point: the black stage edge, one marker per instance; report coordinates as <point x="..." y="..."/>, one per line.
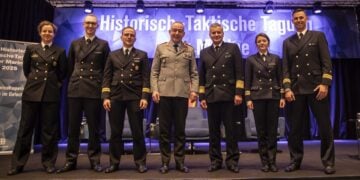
<point x="346" y="166"/>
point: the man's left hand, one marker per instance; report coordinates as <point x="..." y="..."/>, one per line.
<point x="322" y="91"/>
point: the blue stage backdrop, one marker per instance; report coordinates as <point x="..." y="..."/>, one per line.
<point x="240" y="26"/>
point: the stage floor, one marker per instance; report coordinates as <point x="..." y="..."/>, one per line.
<point x="347" y="164"/>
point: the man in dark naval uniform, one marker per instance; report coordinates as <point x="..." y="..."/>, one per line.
<point x="44" y="67"/>
<point x="126" y="87"/>
<point x="221" y="87"/>
<point x="87" y="57"/>
<point x="307" y="76"/>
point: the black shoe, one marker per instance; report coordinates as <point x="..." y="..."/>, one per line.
<point x="112" y="168"/>
<point x="182" y="168"/>
<point x="142" y="168"/>
<point x="164" y="169"/>
<point x="15" y="170"/>
<point x="233" y="168"/>
<point x="96" y="167"/>
<point x="50" y="169"/>
<point x="329" y="170"/>
<point x="273" y="168"/>
<point x="292" y="167"/>
<point x="69" y="166"/>
<point x="214" y="167"/>
<point x="265" y="168"/>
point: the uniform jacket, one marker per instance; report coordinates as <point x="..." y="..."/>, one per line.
<point x="44" y="71"/>
<point x="263" y="79"/>
<point x="126" y="78"/>
<point x="174" y="74"/>
<point x="306" y="62"/>
<point x="86" y="65"/>
<point x="221" y="73"/>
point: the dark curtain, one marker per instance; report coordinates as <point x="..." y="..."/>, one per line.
<point x="19" y="19"/>
<point x="344" y="101"/>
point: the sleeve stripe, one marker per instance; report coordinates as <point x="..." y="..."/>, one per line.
<point x="240" y="84"/>
<point x="105" y="90"/>
<point x="286" y="80"/>
<point x="202" y="89"/>
<point x="327" y="76"/>
<point x="146" y="90"/>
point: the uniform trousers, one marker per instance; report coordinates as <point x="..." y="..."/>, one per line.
<point x="296" y="111"/>
<point x="48" y="115"/>
<point x="92" y="111"/>
<point x="222" y="112"/>
<point x="172" y="117"/>
<point x="266" y="114"/>
<point x="116" y="120"/>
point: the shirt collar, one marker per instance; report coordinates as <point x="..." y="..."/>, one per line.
<point x="91" y="38"/>
<point x="43" y="44"/>
<point x="265" y="54"/>
<point x="219" y="45"/>
<point x="303" y="32"/>
<point x="124" y="49"/>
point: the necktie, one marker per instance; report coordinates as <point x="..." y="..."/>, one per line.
<point x="176" y="47"/>
<point x="263" y="57"/>
<point x="217" y="49"/>
<point x="301" y="35"/>
<point x="127" y="52"/>
<point x="46" y="47"/>
<point x="88" y="41"/>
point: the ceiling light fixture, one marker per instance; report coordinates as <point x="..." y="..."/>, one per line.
<point x="269" y="7"/>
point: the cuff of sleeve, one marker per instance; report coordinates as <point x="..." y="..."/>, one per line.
<point x="105" y="95"/>
<point x="239" y="92"/>
<point x="201" y="96"/>
<point x="145" y="96"/>
<point x="247" y="95"/>
<point x="326" y="79"/>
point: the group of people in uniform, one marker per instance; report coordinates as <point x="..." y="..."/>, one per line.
<point x="122" y="81"/>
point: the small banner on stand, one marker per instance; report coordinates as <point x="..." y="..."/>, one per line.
<point x="12" y="83"/>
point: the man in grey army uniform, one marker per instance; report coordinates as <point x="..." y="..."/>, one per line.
<point x="174" y="79"/>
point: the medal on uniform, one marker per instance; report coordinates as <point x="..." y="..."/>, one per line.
<point x="136" y="63"/>
<point x="54" y="61"/>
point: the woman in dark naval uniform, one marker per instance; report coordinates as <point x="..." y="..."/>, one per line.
<point x="264" y="95"/>
<point x="44" y="66"/>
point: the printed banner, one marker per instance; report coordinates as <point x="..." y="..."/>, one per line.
<point x="240" y="26"/>
<point x="12" y="82"/>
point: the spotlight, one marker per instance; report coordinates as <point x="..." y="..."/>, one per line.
<point x="269" y="7"/>
<point x="140" y="6"/>
<point x="317" y="7"/>
<point x="199" y="7"/>
<point x="88" y="7"/>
